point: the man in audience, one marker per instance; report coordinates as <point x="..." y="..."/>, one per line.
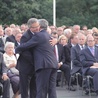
<point x="89" y="60"/>
<point x="76" y="29"/>
<point x="67" y="53"/>
<point x="60" y="31"/>
<point x="95" y="35"/>
<point x="75" y="53"/>
<point x="4" y="78"/>
<point x="18" y="36"/>
<point x="1" y="40"/>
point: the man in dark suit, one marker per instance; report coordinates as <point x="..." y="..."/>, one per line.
<point x="4" y="78"/>
<point x="75" y="53"/>
<point x="96" y="38"/>
<point x="59" y="52"/>
<point x="67" y="53"/>
<point x="45" y="61"/>
<point x="1" y="40"/>
<point x="67" y="48"/>
<point x="25" y="62"/>
<point x="89" y="60"/>
<point x="11" y="38"/>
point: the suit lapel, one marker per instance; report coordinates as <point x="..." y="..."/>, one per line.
<point x="89" y="52"/>
<point x="96" y="53"/>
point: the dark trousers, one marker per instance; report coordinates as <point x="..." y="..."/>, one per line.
<point x="14" y="80"/>
<point x="66" y="69"/>
<point x="46" y="83"/>
<point x="94" y="73"/>
<point x="27" y="81"/>
<point x="6" y="88"/>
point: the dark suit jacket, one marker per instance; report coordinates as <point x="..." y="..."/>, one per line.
<point x="75" y="58"/>
<point x="25" y="60"/>
<point x="11" y="38"/>
<point x="87" y="59"/>
<point x="1" y="46"/>
<point x="44" y="56"/>
<point x="3" y="68"/>
<point x="67" y="53"/>
<point x="61" y="53"/>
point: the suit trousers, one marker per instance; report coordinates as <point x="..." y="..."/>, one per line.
<point x="66" y="69"/>
<point x="6" y="88"/>
<point x="94" y="73"/>
<point x="14" y="80"/>
<point x="46" y="83"/>
<point x="27" y="81"/>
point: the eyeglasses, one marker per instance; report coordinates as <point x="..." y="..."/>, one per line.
<point x="90" y="40"/>
<point x="35" y="27"/>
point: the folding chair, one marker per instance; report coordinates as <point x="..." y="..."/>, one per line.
<point x="87" y="79"/>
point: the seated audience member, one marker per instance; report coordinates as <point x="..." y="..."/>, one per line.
<point x="75" y="53"/>
<point x="84" y="28"/>
<point x="59" y="52"/>
<point x="76" y="29"/>
<point x="95" y="35"/>
<point x="63" y="40"/>
<point x="18" y="36"/>
<point x="11" y="38"/>
<point x="67" y="33"/>
<point x="4" y="78"/>
<point x="89" y="60"/>
<point x="67" y="52"/>
<point x="8" y="32"/>
<point x="1" y="40"/>
<point x="10" y="61"/>
<point x="60" y="31"/>
<point x="53" y="28"/>
<point x="94" y="29"/>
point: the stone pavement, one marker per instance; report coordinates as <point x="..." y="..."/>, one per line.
<point x="62" y="92"/>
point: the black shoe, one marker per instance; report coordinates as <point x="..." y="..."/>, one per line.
<point x="86" y="92"/>
<point x="71" y="88"/>
<point x="57" y="85"/>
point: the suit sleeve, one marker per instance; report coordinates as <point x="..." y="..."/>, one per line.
<point x="4" y="68"/>
<point x="29" y="44"/>
<point x="67" y="55"/>
<point x="84" y="61"/>
<point x="75" y="57"/>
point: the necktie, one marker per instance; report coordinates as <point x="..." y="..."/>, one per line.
<point x="81" y="47"/>
<point x="56" y="52"/>
<point x="92" y="51"/>
<point x="1" y="43"/>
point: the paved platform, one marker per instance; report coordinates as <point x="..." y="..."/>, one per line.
<point x="62" y="92"/>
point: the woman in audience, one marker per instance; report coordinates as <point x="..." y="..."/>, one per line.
<point x="11" y="61"/>
<point x="63" y="40"/>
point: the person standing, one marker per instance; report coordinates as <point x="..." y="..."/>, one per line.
<point x="45" y="61"/>
<point x="25" y="63"/>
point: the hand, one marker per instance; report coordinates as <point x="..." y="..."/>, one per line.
<point x="12" y="65"/>
<point x="93" y="67"/>
<point x="96" y="65"/>
<point x="59" y="64"/>
<point x="53" y="41"/>
<point x="5" y="77"/>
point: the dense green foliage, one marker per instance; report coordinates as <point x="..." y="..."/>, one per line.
<point x="69" y="12"/>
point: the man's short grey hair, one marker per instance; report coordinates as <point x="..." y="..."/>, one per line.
<point x="66" y="31"/>
<point x="31" y="21"/>
<point x="43" y="23"/>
